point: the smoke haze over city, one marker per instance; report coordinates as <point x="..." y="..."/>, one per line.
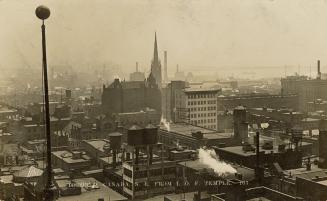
<point x="200" y="36"/>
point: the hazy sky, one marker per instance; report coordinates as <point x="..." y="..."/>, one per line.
<point x="213" y="33"/>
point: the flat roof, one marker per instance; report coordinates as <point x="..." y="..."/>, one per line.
<point x="187" y="129"/>
<point x="190" y="90"/>
<point x="101" y="191"/>
<point x="247" y="173"/>
<point x="6" y="179"/>
<point x="97" y="143"/>
<point x="92" y="171"/>
<point x="188" y="196"/>
<point x="239" y="149"/>
<point x="259" y="199"/>
<point x="67" y="157"/>
<point x="312" y="174"/>
<point x="216" y="135"/>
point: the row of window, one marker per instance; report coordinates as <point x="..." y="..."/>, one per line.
<point x="202" y="108"/>
<point x="211" y="114"/>
<point x="211" y="126"/>
<point x="203" y="121"/>
<point x="154" y="172"/>
<point x="202" y="115"/>
<point x="201" y="102"/>
<point x="198" y="109"/>
<point x="193" y="96"/>
<point x="212" y="101"/>
<point x="212" y="108"/>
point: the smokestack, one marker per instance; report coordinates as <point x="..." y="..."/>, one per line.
<point x="259" y="171"/>
<point x="165" y="67"/>
<point x="318" y="69"/>
<point x="240" y="124"/>
<point x="177" y="69"/>
<point x="137" y="66"/>
<point x="257" y="140"/>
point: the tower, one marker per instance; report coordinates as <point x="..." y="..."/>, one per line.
<point x="165" y="67"/>
<point x="240" y="124"/>
<point x="155" y="64"/>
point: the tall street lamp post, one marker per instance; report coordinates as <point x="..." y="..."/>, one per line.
<point x="43" y="13"/>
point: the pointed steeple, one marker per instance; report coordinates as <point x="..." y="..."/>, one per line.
<point x="155" y="64"/>
<point x="155" y="52"/>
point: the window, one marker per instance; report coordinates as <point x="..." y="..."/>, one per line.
<point x="127" y="172"/>
<point x="155" y="172"/>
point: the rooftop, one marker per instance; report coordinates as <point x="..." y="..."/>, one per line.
<point x="259" y="199"/>
<point x="68" y="157"/>
<point x="190" y="90"/>
<point x="313" y="174"/>
<point x="29" y="172"/>
<point x="239" y="150"/>
<point x="188" y="129"/>
<point x="247" y="173"/>
<point x="91" y="190"/>
<point x="97" y="143"/>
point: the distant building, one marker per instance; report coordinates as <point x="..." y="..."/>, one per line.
<point x="122" y="97"/>
<point x="156" y="65"/>
<point x="133" y="96"/>
<point x="137" y="75"/>
<point x="257" y="100"/>
<point x="179" y="75"/>
<point x="308" y="90"/>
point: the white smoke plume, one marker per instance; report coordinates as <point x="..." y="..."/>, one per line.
<point x="209" y="158"/>
<point x="165" y="123"/>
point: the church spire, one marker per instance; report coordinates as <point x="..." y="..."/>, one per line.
<point x="155" y="53"/>
<point x="155" y="64"/>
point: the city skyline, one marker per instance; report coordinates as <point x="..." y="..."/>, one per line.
<point x="208" y="35"/>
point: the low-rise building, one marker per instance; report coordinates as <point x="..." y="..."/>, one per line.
<point x="193" y="137"/>
<point x="68" y="161"/>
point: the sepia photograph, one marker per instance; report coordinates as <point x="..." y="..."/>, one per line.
<point x="163" y="100"/>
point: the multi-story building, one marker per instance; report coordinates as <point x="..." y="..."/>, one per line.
<point x="201" y="105"/>
<point x="143" y="180"/>
<point x="172" y="98"/>
<point x="133" y="96"/>
<point x="196" y="106"/>
<point x="307" y="89"/>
